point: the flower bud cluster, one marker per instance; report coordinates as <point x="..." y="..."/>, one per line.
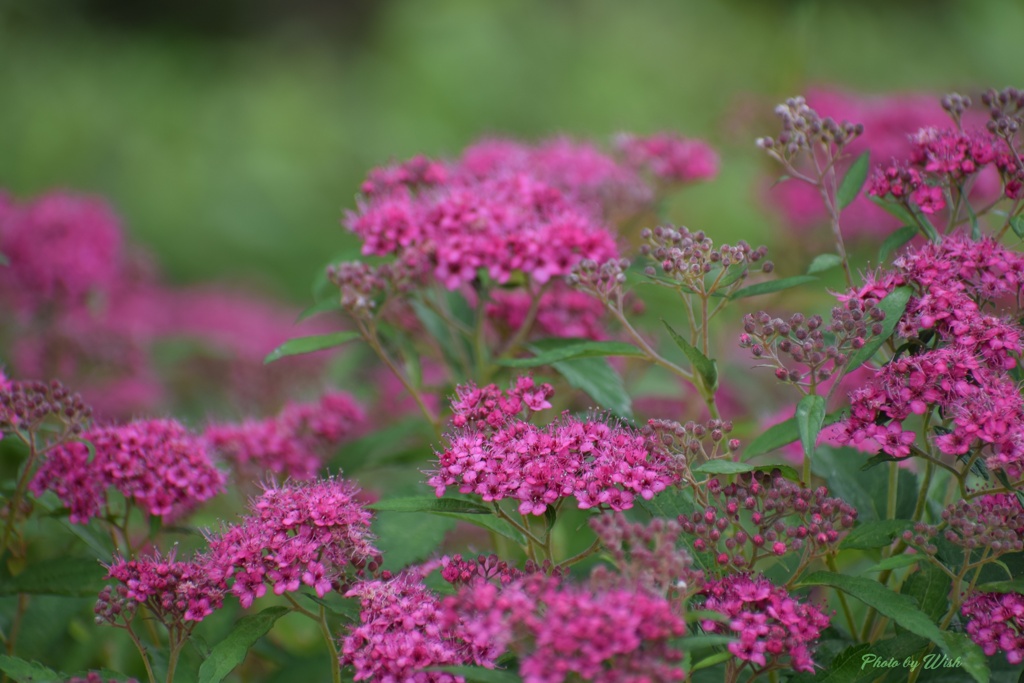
<point x="294" y="443"/>
<point x="24" y="406"/>
<point x="692" y="260"/>
<point x="459" y="572"/>
<point x="647" y="556"/>
<point x="801" y="340"/>
<point x="803" y="131"/>
<point x="604" y="281"/>
<point x="1006" y="111"/>
<point x="995" y="621"/>
<point x="157" y="465"/>
<point x="173" y="591"/>
<point x="773" y="628"/>
<point x="763" y="515"/>
<point x="693" y="441"/>
<point x="298" y="534"/>
<point x="364" y="288"/>
<point x="994" y="523"/>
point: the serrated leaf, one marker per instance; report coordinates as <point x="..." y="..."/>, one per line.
<point x="772" y="286"/>
<point x="28" y="672"/>
<point x="404" y="539"/>
<point x="903" y="610"/>
<point x="706" y="367"/>
<point x="930" y="586"/>
<point x="325" y="306"/>
<point x="810" y="416"/>
<point x="895" y="562"/>
<point x="229" y="653"/>
<point x="722" y="466"/>
<point x="823" y="262"/>
<point x="782" y="434"/>
<point x="853" y="181"/>
<point x="69" y="577"/>
<point x="893" y="305"/>
<point x="895" y="241"/>
<point x="478" y="674"/>
<point x="431" y="504"/>
<point x="302" y="345"/>
<point x="875" y="534"/>
<point x="1017" y="225"/>
<point x="600" y="381"/>
<point x="568" y="349"/>
<point x="1014" y="586"/>
<point x="865" y="491"/>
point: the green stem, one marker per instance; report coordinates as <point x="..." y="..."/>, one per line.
<point x="142" y="651"/>
<point x="325" y="630"/>
<point x="579" y="557"/>
<point x="894" y="482"/>
<point x="14" y="505"/>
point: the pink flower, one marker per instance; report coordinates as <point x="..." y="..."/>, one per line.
<point x="298" y="534"/>
<point x="770" y="624"/>
<point x="174" y="591"/>
<point x="670" y="157"/>
<point x="996" y="623"/>
<point x="156" y="464"/>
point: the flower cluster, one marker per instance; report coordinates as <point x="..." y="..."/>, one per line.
<point x="156" y="464"/>
<point x="669" y="157"/>
<point x="994" y="523"/>
<point x="26" y="405"/>
<point x="491" y="408"/>
<point x="763" y="515"/>
<point x="61" y="248"/>
<point x="298" y="534"/>
<point x="497" y="456"/>
<point x="802" y="340"/>
<point x="770" y="624"/>
<point x="694" y="441"/>
<point x="173" y="591"/>
<point x="459" y="572"/>
<point x="293" y="443"/>
<point x="613" y="635"/>
<point x="402" y="631"/>
<point x="691" y="259"/>
<point x="996" y="623"/>
<point x="647" y="556"/>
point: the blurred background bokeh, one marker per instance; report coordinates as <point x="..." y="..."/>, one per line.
<point x="231" y="135"/>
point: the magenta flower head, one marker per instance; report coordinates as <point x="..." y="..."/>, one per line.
<point x="996" y="623"/>
<point x="293" y="443"/>
<point x="173" y="591"/>
<point x="670" y="158"/>
<point x="496" y="455"/>
<point x="773" y="628"/>
<point x="61" y="247"/>
<point x="157" y="465"/>
<point x="311" y="534"/>
<point x="607" y="634"/>
<point x="401" y="632"/>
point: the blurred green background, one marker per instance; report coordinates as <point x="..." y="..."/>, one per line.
<point x="232" y="134"/>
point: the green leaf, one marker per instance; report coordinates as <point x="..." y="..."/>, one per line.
<point x="781" y="435"/>
<point x="598" y="379"/>
<point x="325" y="306"/>
<point x="865" y="491"/>
<point x="716" y="658"/>
<point x="895" y="241"/>
<point x="70" y="577"/>
<point x="851" y="666"/>
<point x="1014" y="586"/>
<point x="1017" y="225"/>
<point x="489" y="522"/>
<point x="893" y="305"/>
<point x="895" y="562"/>
<point x="707" y="368"/>
<point x="823" y="262"/>
<point x="229" y="653"/>
<point x="810" y="416"/>
<point x="568" y="349"/>
<point x="894" y="209"/>
<point x="478" y="674"/>
<point x="722" y="466"/>
<point x="930" y="586"/>
<point x="903" y="610"/>
<point x="301" y="345"/>
<point x="975" y="228"/>
<point x="704" y="640"/>
<point x="772" y="286"/>
<point x="431" y="504"/>
<point x="28" y="672"/>
<point x="404" y="538"/>
<point x="853" y="181"/>
<point x="875" y="534"/>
